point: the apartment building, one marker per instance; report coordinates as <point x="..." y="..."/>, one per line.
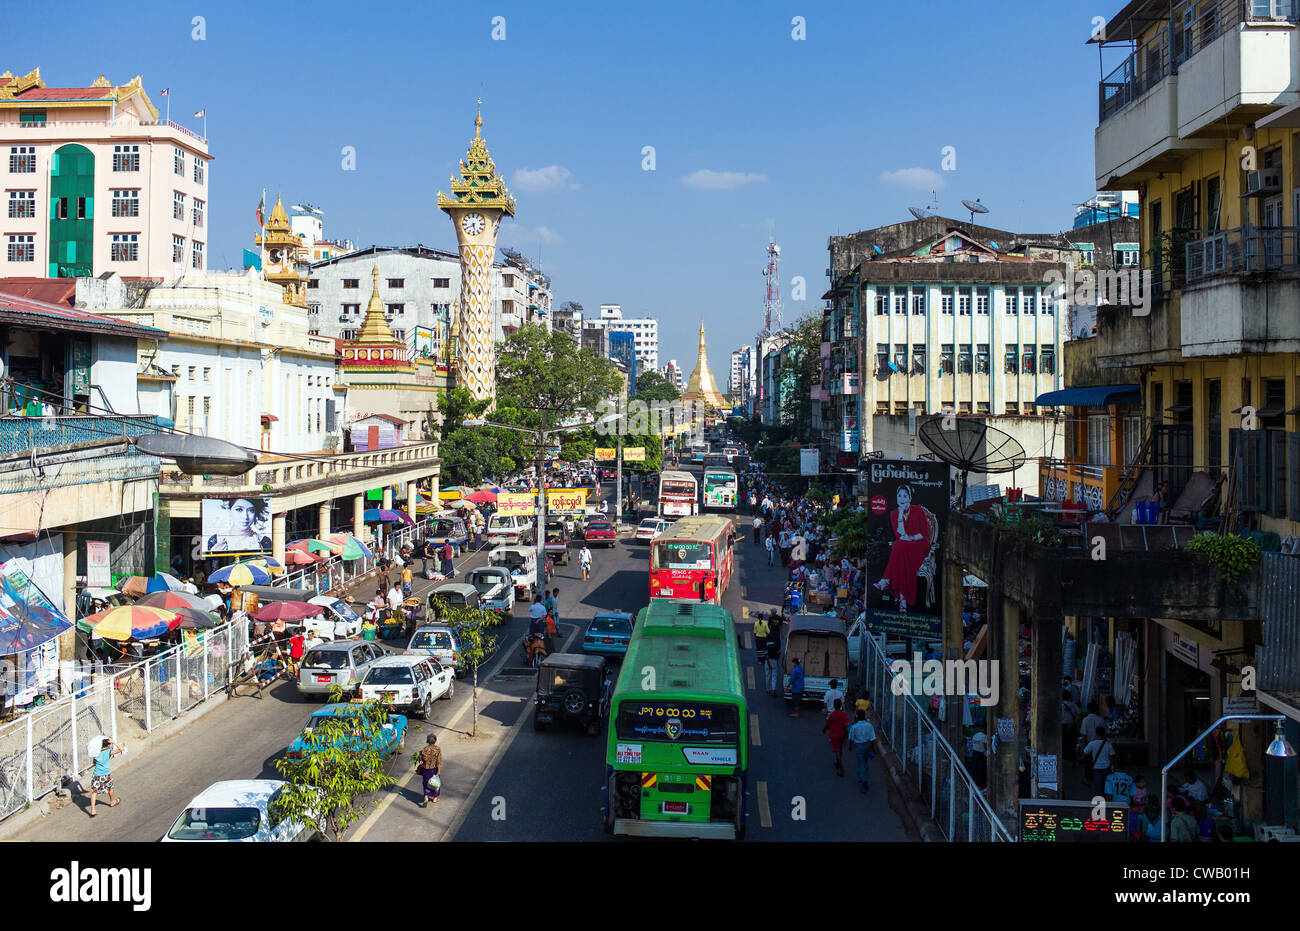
<point x="94" y="182"/>
<point x="645" y="332"/>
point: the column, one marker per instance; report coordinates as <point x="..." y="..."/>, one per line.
<point x="358" y="515"/>
<point x="388" y="498"/>
<point x="324" y="519"/>
<point x="1003" y="648"/>
<point x="68" y="639"/>
<point x="1047" y="670"/>
<point x="277" y="535"/>
<point x="412" y="498"/>
<point x="953" y="574"/>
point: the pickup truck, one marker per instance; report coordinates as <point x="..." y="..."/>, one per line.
<point x="496" y="588"/>
<point x="521" y="563"/>
<point x="557" y="541"/>
<point x="390" y="739"/>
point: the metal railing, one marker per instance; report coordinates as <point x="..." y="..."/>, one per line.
<point x="33" y="434"/>
<point x="1242" y="250"/>
<point x="956" y="804"/>
<point x="42" y="747"/>
<point x="333" y="575"/>
<point x="321" y="465"/>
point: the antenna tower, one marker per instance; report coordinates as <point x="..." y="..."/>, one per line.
<point x="772" y="302"/>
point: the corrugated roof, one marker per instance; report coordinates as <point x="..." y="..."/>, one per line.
<point x="23" y="311"/>
<point x="66" y="93"/>
<point x="49" y="290"/>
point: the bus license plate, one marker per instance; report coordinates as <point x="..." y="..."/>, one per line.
<point x="675" y="808"/>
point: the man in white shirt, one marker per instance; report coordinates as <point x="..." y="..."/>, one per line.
<point x="395" y="599"/>
<point x="862" y="737"/>
<point x="757" y="524"/>
<point x="1193" y="787"/>
<point x="1100" y="752"/>
<point x="831" y="694"/>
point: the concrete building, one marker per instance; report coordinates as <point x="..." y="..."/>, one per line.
<point x="741" y="376"/>
<point x="676" y="377"/>
<point x="773" y="388"/>
<point x="308" y="224"/>
<point x="645" y="331"/>
<point x="95" y="182"/>
<point x="568" y="318"/>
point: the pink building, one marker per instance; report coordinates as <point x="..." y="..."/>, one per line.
<point x="93" y="181"/>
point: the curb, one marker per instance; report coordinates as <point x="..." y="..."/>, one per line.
<point x="913" y="811"/>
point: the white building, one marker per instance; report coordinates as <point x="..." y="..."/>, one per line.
<point x="645" y="332"/>
<point x="673" y="372"/>
<point x="741" y="378"/>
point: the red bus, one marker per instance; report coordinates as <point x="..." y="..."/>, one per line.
<point x="679" y="494"/>
<point x="693" y="551"/>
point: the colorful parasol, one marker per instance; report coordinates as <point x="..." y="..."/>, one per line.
<point x="127" y="622"/>
<point x="287" y="611"/>
<point x="173" y="601"/>
<point x="352" y="547"/>
<point x="241" y="574"/>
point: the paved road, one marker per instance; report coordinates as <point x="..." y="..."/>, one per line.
<point x="551" y="782"/>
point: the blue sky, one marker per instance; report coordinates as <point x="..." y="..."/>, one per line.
<point x="753" y="130"/>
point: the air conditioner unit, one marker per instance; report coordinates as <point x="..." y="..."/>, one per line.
<point x="1264" y="181"/>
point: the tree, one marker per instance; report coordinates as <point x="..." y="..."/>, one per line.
<point x="652" y="386"/>
<point x="547" y="372"/>
<point x="342" y="763"/>
<point x="470" y="453"/>
<point x="473" y="627"/>
<point x="800" y="371"/>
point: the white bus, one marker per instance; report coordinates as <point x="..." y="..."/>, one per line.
<point x="679" y="494"/>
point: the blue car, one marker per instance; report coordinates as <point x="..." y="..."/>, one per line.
<point x="608" y="634"/>
<point x="391" y="740"/>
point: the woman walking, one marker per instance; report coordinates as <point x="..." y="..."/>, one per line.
<point x="429" y="766"/>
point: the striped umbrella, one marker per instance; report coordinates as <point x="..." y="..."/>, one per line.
<point x="301" y="558"/>
<point x="267" y="564"/>
<point x="173" y="601"/>
<point x="191" y="619"/>
<point x="127" y="622"/>
<point x="241" y="574"/>
<point x="317" y="546"/>
<point x="352" y="547"/>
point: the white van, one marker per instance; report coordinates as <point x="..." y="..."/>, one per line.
<point x="509" y="530"/>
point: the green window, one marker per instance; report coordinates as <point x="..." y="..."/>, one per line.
<point x="72" y="212"/>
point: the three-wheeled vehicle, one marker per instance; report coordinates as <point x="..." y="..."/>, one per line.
<point x="557" y="540"/>
<point x="821" y="643"/>
<point x="573" y="687"/>
<point x="453" y="595"/>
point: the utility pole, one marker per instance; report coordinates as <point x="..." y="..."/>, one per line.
<point x="618" y="480"/>
<point x="540" y="541"/>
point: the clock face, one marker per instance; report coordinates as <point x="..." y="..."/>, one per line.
<point x="472" y="224"/>
<point x="275" y="256"/>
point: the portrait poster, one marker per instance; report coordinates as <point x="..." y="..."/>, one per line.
<point x="907" y="505"/>
<point x="235" y="526"/>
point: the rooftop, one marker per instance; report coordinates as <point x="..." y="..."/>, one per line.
<point x="17" y="310"/>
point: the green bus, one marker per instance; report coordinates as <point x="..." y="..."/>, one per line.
<point x="719" y="488"/>
<point x="678" y="754"/>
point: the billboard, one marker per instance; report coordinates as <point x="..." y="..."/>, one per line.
<point x="605" y="453"/>
<point x="1057" y="821"/>
<point x="235" y="525"/>
<point x="907" y="506"/>
<point x="98" y="571"/>
<point x="566" y="501"/>
<point x="516" y="504"/>
<point x="27" y="617"/>
<point x="808" y="461"/>
<point x="634" y="454"/>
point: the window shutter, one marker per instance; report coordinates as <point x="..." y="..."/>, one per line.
<point x="1251" y="454"/>
<point x="1293" y="475"/>
<point x="329" y="414"/>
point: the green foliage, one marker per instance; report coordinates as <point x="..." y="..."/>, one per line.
<point x="817" y="494"/>
<point x="1030" y="527"/>
<point x="848" y="526"/>
<point x="652" y="386"/>
<point x="547" y="371"/>
<point x="800" y="371"/>
<point x="478" y="641"/>
<point x="340" y="767"/>
<point x="469" y="454"/>
<point x="1233" y="556"/>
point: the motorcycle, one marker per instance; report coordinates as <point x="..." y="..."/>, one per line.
<point x="534" y="650"/>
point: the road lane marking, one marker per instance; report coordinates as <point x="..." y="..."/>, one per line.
<point x="749" y="677"/>
<point x="749" y="640"/>
<point x="755" y="739"/>
<point x="742" y="592"/>
<point x="764" y="812"/>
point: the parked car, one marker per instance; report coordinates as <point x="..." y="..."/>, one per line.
<point x="390" y="739"/>
<point x="236" y="810"/>
<point x="343" y="663"/>
<point x="650" y="528"/>
<point x="496" y="588"/>
<point x="572" y="687"/>
<point x="440" y="642"/>
<point x="336" y="616"/>
<point x="453" y="595"/>
<point x="601" y="531"/>
<point x="557" y="540"/>
<point x="510" y="530"/>
<point x="411" y="682"/>
<point x="608" y="633"/>
<point x="449" y="528"/>
<point x="522" y="566"/>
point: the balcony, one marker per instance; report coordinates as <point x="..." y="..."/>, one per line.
<point x="40" y="453"/>
<point x="1094" y="485"/>
<point x="324" y="470"/>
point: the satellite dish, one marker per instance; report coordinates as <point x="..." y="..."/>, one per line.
<point x="921" y="213"/>
<point x="974" y="206"/>
<point x="971" y="446"/>
<point x="198" y="455"/>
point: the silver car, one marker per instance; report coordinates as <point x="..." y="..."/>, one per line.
<point x="343" y="663"/>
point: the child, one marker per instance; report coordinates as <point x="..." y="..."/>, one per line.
<point x="1140" y="795"/>
<point x="407" y="580"/>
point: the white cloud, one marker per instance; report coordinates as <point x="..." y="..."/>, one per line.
<point x="540" y="235"/>
<point x="922" y="179"/>
<point x="550" y="178"/>
<point x="704" y="179"/>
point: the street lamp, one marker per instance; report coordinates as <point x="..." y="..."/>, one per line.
<point x="1278" y="747"/>
<point x="541" y="434"/>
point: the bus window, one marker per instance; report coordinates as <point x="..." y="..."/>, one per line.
<point x="698" y="722"/>
<point x="677" y="555"/>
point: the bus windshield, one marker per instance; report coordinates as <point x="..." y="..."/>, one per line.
<point x="720" y="478"/>
<point x="676" y="554"/>
<point x="679" y="488"/>
<point x="677" y="721"/>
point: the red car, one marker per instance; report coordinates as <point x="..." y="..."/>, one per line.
<point x="601" y="531"/>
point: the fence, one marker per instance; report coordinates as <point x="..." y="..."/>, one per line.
<point x="39" y="749"/>
<point x="334" y="574"/>
<point x="956" y="804"/>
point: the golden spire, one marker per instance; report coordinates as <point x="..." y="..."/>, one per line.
<point x="478" y="120"/>
<point x="702" y="385"/>
<point x="478" y="185"/>
<point x="375" y="328"/>
<point x="279" y="219"/>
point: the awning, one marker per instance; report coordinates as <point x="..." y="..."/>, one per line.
<point x="1091" y="396"/>
<point x="28" y="618"/>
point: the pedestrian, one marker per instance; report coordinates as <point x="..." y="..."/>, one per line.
<point x="862" y="738"/>
<point x="408" y="580"/>
<point x="837" y="726"/>
<point x="752" y="501"/>
<point x="832" y="696"/>
<point x="448" y="554"/>
<point x="296" y="646"/>
<point x="761" y="629"/>
<point x="555" y="604"/>
<point x="550" y="632"/>
<point x="771" y="550"/>
<point x="395" y="599"/>
<point x="101" y="780"/>
<point x="429" y="766"/>
<point x="773" y="660"/>
<point x="1183" y="827"/>
<point x="427" y="553"/>
<point x="796" y="686"/>
<point x="584" y="562"/>
<point x="757" y="524"/>
<point x="1099" y="753"/>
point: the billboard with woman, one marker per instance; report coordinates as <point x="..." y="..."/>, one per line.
<point x="908" y="506"/>
<point x="236" y="525"/>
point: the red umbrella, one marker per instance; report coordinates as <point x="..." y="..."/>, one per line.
<point x="482" y="496"/>
<point x="288" y="611"/>
<point x="298" y="557"/>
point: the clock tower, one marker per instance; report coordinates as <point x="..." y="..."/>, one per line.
<point x="281" y="256"/>
<point x="478" y="201"/>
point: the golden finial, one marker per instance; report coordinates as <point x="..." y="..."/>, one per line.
<point x="478" y="120"/>
<point x="374" y="276"/>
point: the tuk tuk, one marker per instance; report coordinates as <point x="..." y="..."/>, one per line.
<point x="821" y="643"/>
<point x="453" y="595"/>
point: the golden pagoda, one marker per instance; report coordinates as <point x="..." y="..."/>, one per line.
<point x="702" y="387"/>
<point x="375" y="328"/>
<point x="281" y="256"/>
